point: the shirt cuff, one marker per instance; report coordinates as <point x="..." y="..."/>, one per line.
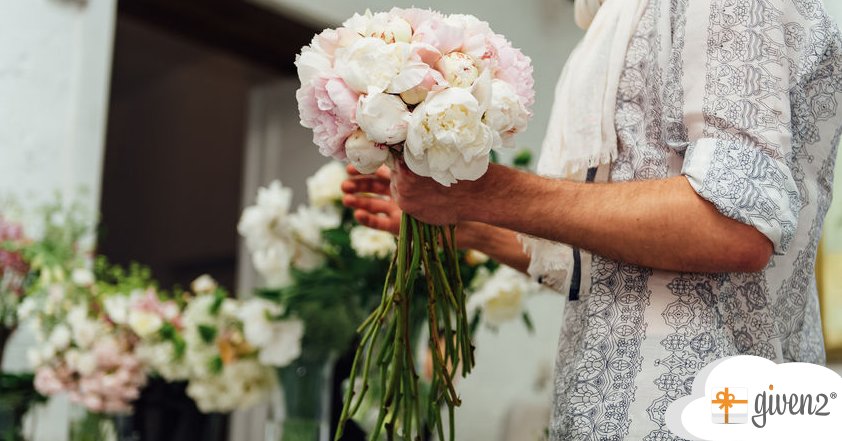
<point x="747" y="185"/>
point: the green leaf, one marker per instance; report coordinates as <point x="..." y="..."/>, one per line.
<point x="528" y="322"/>
<point x="216" y="365"/>
<point x="207" y="333"/>
<point x="523" y="159"/>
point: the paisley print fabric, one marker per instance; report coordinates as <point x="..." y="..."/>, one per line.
<point x="743" y="100"/>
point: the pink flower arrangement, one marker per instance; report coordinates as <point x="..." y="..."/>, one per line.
<point x="13" y="267"/>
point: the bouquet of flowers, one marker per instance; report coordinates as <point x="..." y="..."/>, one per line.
<point x="438" y="93"/>
<point x="317" y="264"/>
<point x="13" y="271"/>
<point x="224" y="348"/>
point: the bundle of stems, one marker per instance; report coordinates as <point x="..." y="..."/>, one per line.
<point x="385" y="352"/>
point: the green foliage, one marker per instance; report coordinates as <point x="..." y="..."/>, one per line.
<point x="207" y="333"/>
<point x="523" y="159"/>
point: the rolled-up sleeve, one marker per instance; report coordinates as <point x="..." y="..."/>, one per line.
<point x="746" y="185"/>
<point x="737" y="111"/>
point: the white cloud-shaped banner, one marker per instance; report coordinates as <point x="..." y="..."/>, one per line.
<point x="747" y="398"/>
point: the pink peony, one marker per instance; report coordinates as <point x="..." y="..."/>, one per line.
<point x="48" y="381"/>
<point x="327" y="105"/>
<point x="433" y="29"/>
<point x="511" y="66"/>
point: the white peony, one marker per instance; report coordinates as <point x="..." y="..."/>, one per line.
<point x="264" y="223"/>
<point x="368" y="242"/>
<point x="311" y="63"/>
<point x="370" y="65"/>
<point x="273" y="265"/>
<point x="447" y="139"/>
<point x="306" y="226"/>
<point x="144" y="323"/>
<point x="387" y="27"/>
<point x="308" y="223"/>
<point x="458" y="69"/>
<point x="204" y="284"/>
<point x="364" y="154"/>
<point x="257" y="316"/>
<point x="325" y="186"/>
<point x="507" y="115"/>
<point x="502" y="297"/>
<point x="285" y="347"/>
<point x="383" y="118"/>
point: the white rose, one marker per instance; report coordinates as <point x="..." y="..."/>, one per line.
<point x="144" y="323"/>
<point x="458" y="69"/>
<point x="325" y="186"/>
<point x="273" y="265"/>
<point x="204" y="284"/>
<point x="368" y="242"/>
<point x="506" y="114"/>
<point x="364" y="154"/>
<point x="285" y="347"/>
<point x="370" y="65"/>
<point x="82" y="277"/>
<point x="447" y="139"/>
<point x="383" y="118"/>
<point x="60" y="337"/>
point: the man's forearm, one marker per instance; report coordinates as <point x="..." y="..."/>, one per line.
<point x="661" y="224"/>
<point x="500" y="244"/>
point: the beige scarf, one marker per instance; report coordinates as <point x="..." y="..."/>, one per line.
<point x="581" y="133"/>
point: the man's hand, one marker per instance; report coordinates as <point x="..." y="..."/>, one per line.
<point x="370" y="196"/>
<point x="427" y="200"/>
<point x="371" y="199"/>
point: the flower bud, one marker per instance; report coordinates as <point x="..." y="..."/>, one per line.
<point x="364" y="154"/>
<point x="458" y="69"/>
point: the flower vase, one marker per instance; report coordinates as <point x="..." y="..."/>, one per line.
<point x="306" y="390"/>
<point x="91" y="426"/>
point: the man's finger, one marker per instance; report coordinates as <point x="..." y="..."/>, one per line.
<point x="366" y="185"/>
<point x="383" y="172"/>
<point x="372" y="205"/>
<point x="373" y="221"/>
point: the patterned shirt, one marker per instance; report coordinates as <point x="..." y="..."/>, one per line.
<point x="741" y="97"/>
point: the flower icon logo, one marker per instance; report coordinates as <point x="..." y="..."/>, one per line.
<point x="730" y="406"/>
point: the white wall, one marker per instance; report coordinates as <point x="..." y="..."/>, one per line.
<point x="55" y="59"/>
<point x="509" y="362"/>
